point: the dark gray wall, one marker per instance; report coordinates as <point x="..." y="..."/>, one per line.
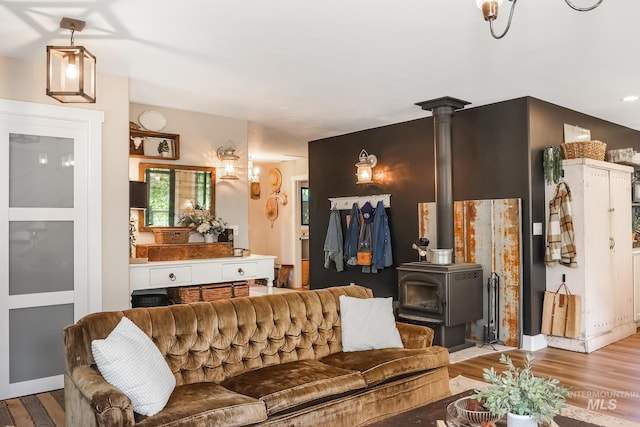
<point x="497" y="153"/>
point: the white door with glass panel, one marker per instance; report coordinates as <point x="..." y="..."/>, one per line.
<point x="50" y="252"/>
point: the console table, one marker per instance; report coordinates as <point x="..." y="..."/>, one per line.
<point x="167" y="274"/>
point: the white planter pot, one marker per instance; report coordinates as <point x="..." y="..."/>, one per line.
<point x="209" y="238"/>
<point x="514" y="420"/>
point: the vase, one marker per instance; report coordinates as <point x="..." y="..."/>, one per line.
<point x="514" y="420"/>
<point x="209" y="238"/>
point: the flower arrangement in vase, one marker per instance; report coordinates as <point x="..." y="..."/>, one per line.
<point x="203" y="222"/>
<point x="518" y="392"/>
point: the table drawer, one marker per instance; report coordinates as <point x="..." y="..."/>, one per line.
<point x="239" y="270"/>
<point x="170" y="275"/>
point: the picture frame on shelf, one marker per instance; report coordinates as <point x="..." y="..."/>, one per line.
<point x="154" y="145"/>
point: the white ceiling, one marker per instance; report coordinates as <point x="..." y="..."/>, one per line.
<point x="302" y="70"/>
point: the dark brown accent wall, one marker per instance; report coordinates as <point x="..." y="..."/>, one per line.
<point x="497" y="153"/>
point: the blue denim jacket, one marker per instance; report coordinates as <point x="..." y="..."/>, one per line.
<point x="351" y="241"/>
<point x="333" y="242"/>
<point x="382" y="256"/>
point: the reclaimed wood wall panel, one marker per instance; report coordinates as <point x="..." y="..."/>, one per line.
<point x="488" y="232"/>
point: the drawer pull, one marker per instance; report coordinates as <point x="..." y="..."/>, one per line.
<point x="241" y="271"/>
<point x="172" y="277"/>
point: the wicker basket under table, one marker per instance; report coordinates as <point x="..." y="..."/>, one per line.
<point x="213" y="292"/>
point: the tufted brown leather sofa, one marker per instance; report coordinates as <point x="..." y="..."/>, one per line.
<point x="272" y="360"/>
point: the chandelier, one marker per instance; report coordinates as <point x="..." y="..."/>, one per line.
<point x="490" y="12"/>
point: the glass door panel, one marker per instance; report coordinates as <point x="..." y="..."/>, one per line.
<point x="41" y="171"/>
<point x="35" y="341"/>
<point x="41" y="257"/>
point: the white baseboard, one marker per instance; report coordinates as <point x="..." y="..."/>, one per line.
<point x="534" y="342"/>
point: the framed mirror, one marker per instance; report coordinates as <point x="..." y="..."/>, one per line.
<point x="172" y="189"/>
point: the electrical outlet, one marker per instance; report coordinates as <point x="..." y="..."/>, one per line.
<point x="236" y="230"/>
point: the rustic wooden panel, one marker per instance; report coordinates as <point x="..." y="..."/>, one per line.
<point x="507" y="261"/>
<point x="176" y="252"/>
<point x="487" y="232"/>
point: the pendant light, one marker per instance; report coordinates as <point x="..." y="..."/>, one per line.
<point x="71" y="70"/>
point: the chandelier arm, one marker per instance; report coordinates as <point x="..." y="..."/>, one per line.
<point x="513" y="7"/>
<point x="583" y="9"/>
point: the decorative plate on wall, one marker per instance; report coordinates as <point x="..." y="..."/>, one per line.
<point x="152" y="120"/>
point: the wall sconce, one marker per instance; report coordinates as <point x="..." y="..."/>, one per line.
<point x="490" y="12"/>
<point x="227" y="155"/>
<point x="365" y="167"/>
<point x="71" y="70"/>
<point x="254" y="180"/>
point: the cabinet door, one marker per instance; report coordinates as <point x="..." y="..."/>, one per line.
<point x="636" y="284"/>
<point x="598" y="298"/>
<point x="49" y="250"/>
<point x="621" y="246"/>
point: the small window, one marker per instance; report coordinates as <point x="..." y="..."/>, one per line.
<point x="304" y="205"/>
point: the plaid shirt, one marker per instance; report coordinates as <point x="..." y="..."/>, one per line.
<point x="560" y="235"/>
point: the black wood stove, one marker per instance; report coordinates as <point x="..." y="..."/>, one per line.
<point x="443" y="297"/>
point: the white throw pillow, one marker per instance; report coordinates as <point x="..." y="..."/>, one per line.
<point x="130" y="361"/>
<point x="368" y="323"/>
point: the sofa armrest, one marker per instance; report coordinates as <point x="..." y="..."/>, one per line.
<point x="415" y="336"/>
<point x="91" y="401"/>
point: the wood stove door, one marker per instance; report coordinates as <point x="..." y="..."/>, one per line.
<point x="423" y="292"/>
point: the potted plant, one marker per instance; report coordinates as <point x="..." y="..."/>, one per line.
<point x="163" y="148"/>
<point x="519" y="394"/>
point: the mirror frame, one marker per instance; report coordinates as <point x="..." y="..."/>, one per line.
<point x="141" y="176"/>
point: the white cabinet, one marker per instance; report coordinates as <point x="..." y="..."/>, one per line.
<point x="601" y="212"/>
<point x="165" y="274"/>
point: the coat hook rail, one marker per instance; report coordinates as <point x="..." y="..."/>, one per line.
<point x="345" y="203"/>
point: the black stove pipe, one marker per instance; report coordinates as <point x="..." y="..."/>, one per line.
<point x="442" y="110"/>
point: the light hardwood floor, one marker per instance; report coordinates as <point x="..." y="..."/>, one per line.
<point x="606" y="380"/>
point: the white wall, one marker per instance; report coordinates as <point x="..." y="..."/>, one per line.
<point x="25" y="81"/>
<point x="200" y="136"/>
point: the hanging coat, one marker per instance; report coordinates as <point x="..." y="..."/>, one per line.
<point x="365" y="240"/>
<point x="333" y="242"/>
<point x="382" y="256"/>
<point x="560" y="235"/>
<point x="351" y="241"/>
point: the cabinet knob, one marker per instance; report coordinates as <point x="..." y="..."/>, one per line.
<point x="172" y="277"/>
<point x="241" y="271"/>
<point x="612" y="243"/>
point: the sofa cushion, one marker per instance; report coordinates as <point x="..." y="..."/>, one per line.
<point x="130" y="361"/>
<point x="206" y="404"/>
<point x="368" y="323"/>
<point x="381" y="365"/>
<point x="288" y="385"/>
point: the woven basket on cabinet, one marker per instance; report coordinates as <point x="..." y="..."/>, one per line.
<point x="584" y="149"/>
